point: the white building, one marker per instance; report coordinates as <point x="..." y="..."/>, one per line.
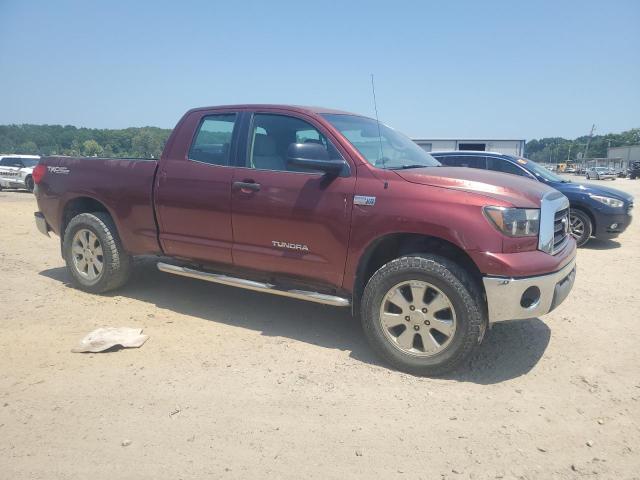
<point x="510" y="147"/>
<point x="625" y="155"/>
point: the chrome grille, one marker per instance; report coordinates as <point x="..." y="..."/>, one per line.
<point x="560" y="228"/>
<point x="554" y="223"/>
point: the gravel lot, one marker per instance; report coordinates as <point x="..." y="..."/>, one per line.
<point x="235" y="384"/>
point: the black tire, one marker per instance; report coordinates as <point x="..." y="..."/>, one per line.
<point x="116" y="261"/>
<point x="583" y="236"/>
<point x="28" y="183"/>
<point x="461" y="291"/>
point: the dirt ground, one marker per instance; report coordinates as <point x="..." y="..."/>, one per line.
<point x="235" y="384"/>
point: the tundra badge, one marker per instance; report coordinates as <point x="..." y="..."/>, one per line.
<point x="290" y="246"/>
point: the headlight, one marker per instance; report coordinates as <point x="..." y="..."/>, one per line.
<point x="608" y="201"/>
<point x="514" y="222"/>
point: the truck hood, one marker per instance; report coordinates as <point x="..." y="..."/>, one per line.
<point x="569" y="188"/>
<point x="515" y="190"/>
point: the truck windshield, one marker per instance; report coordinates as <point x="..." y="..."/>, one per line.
<point x="380" y="145"/>
<point x="540" y="172"/>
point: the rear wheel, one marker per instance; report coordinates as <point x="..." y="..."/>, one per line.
<point x="422" y="314"/>
<point x="581" y="226"/>
<point x="94" y="254"/>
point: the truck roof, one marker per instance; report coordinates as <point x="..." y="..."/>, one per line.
<point x="295" y="108"/>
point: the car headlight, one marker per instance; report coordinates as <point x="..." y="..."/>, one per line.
<point x="514" y="222"/>
<point x="608" y="201"/>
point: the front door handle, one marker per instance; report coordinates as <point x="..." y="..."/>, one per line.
<point x="247" y="186"/>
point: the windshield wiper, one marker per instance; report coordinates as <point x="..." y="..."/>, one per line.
<point x="406" y="167"/>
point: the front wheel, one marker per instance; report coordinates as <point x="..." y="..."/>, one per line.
<point x="422" y="314"/>
<point x="581" y="226"/>
<point x="94" y="254"/>
<point x="28" y="183"/>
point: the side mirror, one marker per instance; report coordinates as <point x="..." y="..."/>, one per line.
<point x="314" y="156"/>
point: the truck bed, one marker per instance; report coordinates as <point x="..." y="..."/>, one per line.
<point x="125" y="185"/>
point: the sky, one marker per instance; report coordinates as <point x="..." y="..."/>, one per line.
<point x="443" y="69"/>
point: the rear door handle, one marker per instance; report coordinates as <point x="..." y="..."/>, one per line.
<point x="247" y="186"/>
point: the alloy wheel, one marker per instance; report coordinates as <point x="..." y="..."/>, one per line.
<point x="577" y="227"/>
<point x="417" y="318"/>
<point x="88" y="258"/>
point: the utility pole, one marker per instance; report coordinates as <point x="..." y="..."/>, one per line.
<point x="569" y="154"/>
<point x="586" y="150"/>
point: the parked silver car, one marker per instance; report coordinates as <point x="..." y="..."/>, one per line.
<point x="600" y="173"/>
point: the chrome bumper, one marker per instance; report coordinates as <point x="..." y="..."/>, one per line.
<point x="505" y="295"/>
<point x="41" y="223"/>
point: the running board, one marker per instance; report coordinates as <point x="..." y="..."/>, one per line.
<point x="255" y="286"/>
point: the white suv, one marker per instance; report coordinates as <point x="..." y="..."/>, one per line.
<point x="16" y="171"/>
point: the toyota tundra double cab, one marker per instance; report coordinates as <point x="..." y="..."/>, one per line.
<point x="324" y="206"/>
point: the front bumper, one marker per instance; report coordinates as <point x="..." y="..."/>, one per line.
<point x="13" y="183"/>
<point x="41" y="223"/>
<point x="527" y="297"/>
<point x="604" y="221"/>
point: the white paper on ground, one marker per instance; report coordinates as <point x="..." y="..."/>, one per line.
<point x="106" y="337"/>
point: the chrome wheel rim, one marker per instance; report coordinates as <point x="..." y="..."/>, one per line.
<point x="417" y="318"/>
<point x="88" y="258"/>
<point x="577" y="226"/>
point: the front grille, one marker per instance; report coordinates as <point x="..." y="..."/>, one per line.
<point x="560" y="228"/>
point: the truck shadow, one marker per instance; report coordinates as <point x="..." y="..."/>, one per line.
<point x="598" y="244"/>
<point x="509" y="350"/>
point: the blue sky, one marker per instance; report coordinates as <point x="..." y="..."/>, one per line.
<point x="442" y="69"/>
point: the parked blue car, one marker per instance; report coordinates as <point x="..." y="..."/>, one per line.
<point x="596" y="211"/>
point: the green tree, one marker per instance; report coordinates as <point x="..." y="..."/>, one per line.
<point x="91" y="148"/>
<point x="28" y="148"/>
<point x="145" y="144"/>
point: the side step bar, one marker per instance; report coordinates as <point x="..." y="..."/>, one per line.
<point x="255" y="286"/>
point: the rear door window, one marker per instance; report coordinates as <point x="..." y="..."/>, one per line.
<point x="212" y="143"/>
<point x="505" y="166"/>
<point x="471" y="161"/>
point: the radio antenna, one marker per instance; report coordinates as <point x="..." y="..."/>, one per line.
<point x="375" y="107"/>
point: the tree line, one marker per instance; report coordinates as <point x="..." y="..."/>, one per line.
<point x="148" y="142"/>
<point x="560" y="150"/>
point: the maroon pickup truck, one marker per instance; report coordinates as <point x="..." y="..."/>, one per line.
<point x="324" y="206"/>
